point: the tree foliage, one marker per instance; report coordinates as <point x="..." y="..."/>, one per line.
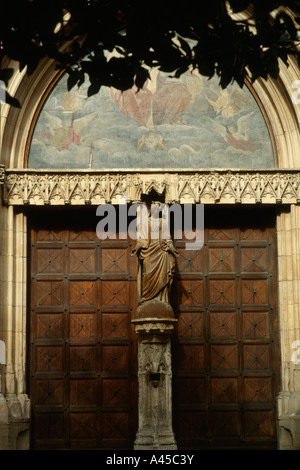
<point x="117" y="42"/>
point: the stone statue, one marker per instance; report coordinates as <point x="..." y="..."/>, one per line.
<point x="156" y="255"/>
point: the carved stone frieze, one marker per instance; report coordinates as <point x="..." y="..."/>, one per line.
<point x="154" y="357"/>
<point x="39" y="187"/>
<point x="152" y="326"/>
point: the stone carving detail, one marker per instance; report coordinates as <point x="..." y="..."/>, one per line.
<point x="155" y="394"/>
<point x="150" y="326"/>
<point x="2" y="174"/>
<point x="64" y="187"/>
<point x="155" y="358"/>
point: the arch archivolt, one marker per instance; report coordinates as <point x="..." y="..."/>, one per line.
<point x="22" y="187"/>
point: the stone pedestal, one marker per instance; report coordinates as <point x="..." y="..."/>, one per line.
<point x="14" y="418"/>
<point x="288" y="428"/>
<point x="155" y="429"/>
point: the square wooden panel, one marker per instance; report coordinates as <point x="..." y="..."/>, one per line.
<point x="115" y="293"/>
<point x="49" y="325"/>
<point x="49" y="358"/>
<point x="115" y="358"/>
<point x="48" y="293"/>
<point x="55" y="236"/>
<point x="115" y="425"/>
<point x="49" y="392"/>
<point x="114" y="260"/>
<point x="255" y="324"/>
<point x="191" y="425"/>
<point x="224" y="356"/>
<point x="190" y="324"/>
<point x="190" y="357"/>
<point x="257" y="389"/>
<point x="191" y="390"/>
<point x="255" y="234"/>
<point x="254" y="291"/>
<point x="83" y="392"/>
<point x="83" y="426"/>
<point x="222" y="291"/>
<point x="224" y="424"/>
<point x="260" y="424"/>
<point x="83" y="236"/>
<point x="83" y="358"/>
<point x="223" y="324"/>
<point x="51" y="426"/>
<point x="256" y="356"/>
<point x="115" y="391"/>
<point x="189" y="292"/>
<point x="115" y="325"/>
<point x="82" y="293"/>
<point x="83" y="326"/>
<point x="224" y="389"/>
<point x="221" y="259"/>
<point x="82" y="260"/>
<point x="254" y="259"/>
<point x="221" y="234"/>
<point x="190" y="261"/>
<point x="49" y="260"/>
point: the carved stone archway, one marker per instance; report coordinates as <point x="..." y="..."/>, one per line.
<point x="22" y="187"/>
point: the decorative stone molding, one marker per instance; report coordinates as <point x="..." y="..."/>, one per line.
<point x="151" y="326"/>
<point x="2" y="174"/>
<point x="67" y="187"/>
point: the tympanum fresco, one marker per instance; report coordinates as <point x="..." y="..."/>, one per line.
<point x="171" y="123"/>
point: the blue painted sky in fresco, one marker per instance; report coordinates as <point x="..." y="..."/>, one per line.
<point x="186" y="123"/>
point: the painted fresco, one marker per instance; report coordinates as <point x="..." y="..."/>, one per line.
<point x="170" y="123"/>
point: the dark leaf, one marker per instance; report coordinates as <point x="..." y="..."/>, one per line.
<point x="6" y="74"/>
<point x="147" y="39"/>
<point x="289" y="24"/>
<point x="238" y="5"/>
<point x="73" y="79"/>
<point x="94" y="88"/>
<point x="12" y="101"/>
<point x="141" y="76"/>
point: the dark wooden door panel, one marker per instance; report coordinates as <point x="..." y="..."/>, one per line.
<point x="83" y="353"/>
<point x="225" y="350"/>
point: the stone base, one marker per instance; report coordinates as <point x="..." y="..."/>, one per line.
<point x="147" y="441"/>
<point x="155" y="431"/>
<point x="288" y="424"/>
<point x="14" y="422"/>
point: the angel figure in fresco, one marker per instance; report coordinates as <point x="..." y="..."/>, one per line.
<point x="156" y="254"/>
<point x="62" y="133"/>
<point x="228" y="104"/>
<point x="237" y="136"/>
<point x="152" y="141"/>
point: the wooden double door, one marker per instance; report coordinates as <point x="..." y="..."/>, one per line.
<point x="83" y="348"/>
